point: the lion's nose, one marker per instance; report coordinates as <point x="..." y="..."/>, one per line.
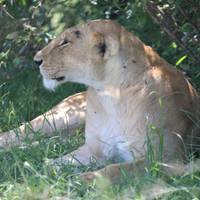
<point x="38" y="61"/>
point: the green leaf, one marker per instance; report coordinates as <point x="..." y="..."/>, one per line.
<point x="187" y="27"/>
<point x="181" y="60"/>
<point x="174" y="45"/>
<point x="16" y="61"/>
<point x="12" y="35"/>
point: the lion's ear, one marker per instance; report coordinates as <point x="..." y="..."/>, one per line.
<point x="112" y="46"/>
<point x="98" y="44"/>
<point x="105" y="46"/>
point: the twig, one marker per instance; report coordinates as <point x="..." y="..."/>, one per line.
<point x="6" y="12"/>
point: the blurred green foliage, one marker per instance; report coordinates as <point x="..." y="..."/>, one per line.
<point x="26" y="26"/>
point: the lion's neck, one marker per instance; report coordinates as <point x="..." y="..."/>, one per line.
<point x="112" y="97"/>
<point x="124" y="73"/>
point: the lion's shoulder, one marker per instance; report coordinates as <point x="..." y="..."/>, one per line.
<point x="154" y="58"/>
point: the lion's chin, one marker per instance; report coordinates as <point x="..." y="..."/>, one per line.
<point x="50" y="84"/>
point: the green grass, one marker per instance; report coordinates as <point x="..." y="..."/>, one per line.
<point x="25" y="175"/>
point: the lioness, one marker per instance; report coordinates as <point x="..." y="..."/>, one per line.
<point x="133" y="95"/>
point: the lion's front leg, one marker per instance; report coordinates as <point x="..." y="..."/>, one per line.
<point x="84" y="155"/>
<point x="66" y="116"/>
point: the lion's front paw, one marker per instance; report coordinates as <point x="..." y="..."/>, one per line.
<point x="89" y="177"/>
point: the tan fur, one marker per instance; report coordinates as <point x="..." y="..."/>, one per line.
<point x="131" y="92"/>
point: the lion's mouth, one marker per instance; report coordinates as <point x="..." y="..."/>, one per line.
<point x="61" y="78"/>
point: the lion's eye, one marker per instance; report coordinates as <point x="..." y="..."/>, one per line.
<point x="64" y="42"/>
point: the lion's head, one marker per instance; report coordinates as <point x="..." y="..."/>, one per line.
<point x="84" y="54"/>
